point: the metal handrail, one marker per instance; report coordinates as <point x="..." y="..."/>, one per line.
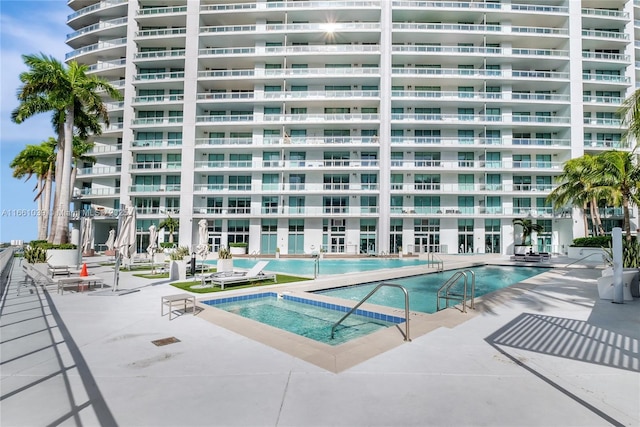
<point x="406" y="308"/>
<point x="585" y="257"/>
<point x="434" y="259"/>
<point x="452" y="281"/>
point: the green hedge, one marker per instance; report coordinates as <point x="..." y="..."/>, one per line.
<point x="46" y="245"/>
<point x="592" y="242"/>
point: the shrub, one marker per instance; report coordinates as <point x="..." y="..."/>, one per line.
<point x="179" y="253"/>
<point x="167" y="245"/>
<point x="34" y="254"/>
<point x="238" y="245"/>
<point x="592" y="242"/>
<point x="224" y="253"/>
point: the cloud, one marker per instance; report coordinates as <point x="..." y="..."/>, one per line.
<point x="28" y="27"/>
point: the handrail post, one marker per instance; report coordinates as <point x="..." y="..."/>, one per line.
<point x="406" y="308"/>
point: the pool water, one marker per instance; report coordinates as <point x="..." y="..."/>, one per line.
<point x="306" y="266"/>
<point x="423" y="289"/>
<point x="304" y="317"/>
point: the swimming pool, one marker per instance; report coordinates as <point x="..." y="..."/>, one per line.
<point x="423" y="289"/>
<point x="305" y="317"/>
<point x="306" y="266"/>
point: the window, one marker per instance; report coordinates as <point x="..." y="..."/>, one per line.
<point x="215" y="183"/>
<point x="465" y="159"/>
<point x="369" y="181"/>
<point x="427" y="182"/>
<point x="494" y="182"/>
<point x="240" y="182"/>
<point x="521" y="160"/>
<point x="465" y="204"/>
<point x="238" y="229"/>
<point x="465" y="182"/>
<point x="521" y="183"/>
<point x="173" y="182"/>
<point x="269" y="204"/>
<point x="427" y="159"/>
<point x="397" y="181"/>
<point x="465" y="136"/>
<point x="335" y="204"/>
<point x="270" y="181"/>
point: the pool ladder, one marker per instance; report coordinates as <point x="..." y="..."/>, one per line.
<point x="381" y="285"/>
<point x="436" y="261"/>
<point x="448" y="295"/>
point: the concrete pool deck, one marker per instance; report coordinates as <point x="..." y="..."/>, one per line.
<point x="548" y="352"/>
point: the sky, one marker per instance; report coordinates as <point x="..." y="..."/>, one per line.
<point x="26" y="27"/>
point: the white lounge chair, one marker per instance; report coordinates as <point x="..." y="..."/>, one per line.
<point x="254" y="274"/>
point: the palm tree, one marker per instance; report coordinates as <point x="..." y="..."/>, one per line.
<point x="67" y="91"/>
<point x="38" y="160"/>
<point x="171" y="225"/>
<point x="578" y="189"/>
<point x="618" y="177"/>
<point x="630" y="113"/>
<point x="528" y="228"/>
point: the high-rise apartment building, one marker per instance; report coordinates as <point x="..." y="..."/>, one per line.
<point x="352" y="126"/>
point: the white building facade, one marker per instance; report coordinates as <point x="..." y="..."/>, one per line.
<point x="359" y="126"/>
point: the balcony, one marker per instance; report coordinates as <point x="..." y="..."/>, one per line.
<point x="99" y="170"/>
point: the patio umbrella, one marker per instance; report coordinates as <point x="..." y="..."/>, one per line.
<point x="125" y="243"/>
<point x="87" y="235"/>
<point x="203" y="239"/>
<point x="111" y="240"/>
<point x="151" y="249"/>
<point x="126" y="240"/>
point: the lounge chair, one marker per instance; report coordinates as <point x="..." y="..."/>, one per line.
<point x="235" y="277"/>
<point x="56" y="270"/>
<point x="39" y="278"/>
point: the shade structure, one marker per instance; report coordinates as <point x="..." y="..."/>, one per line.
<point x="87" y="234"/>
<point x="111" y="240"/>
<point x="203" y="239"/>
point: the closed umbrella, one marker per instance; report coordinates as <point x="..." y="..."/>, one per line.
<point x="151" y="249"/>
<point x="111" y="240"/>
<point x="125" y="243"/>
<point x="203" y="239"/>
<point x="87" y="235"/>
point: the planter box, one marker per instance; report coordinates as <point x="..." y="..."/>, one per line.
<point x="224" y="265"/>
<point x="521" y="250"/>
<point x="62" y="256"/>
<point x="576" y="252"/>
<point x="238" y="250"/>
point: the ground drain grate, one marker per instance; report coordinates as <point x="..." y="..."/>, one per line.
<point x="165" y="341"/>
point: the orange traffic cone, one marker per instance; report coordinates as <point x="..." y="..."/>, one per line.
<point x="84" y="272"/>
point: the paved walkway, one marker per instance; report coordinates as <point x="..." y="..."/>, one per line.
<point x="548" y="354"/>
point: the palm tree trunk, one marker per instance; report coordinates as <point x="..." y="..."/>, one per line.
<point x="597" y="219"/>
<point x="46" y="212"/>
<point x="585" y="223"/>
<point x="58" y="180"/>
<point x="42" y="232"/>
<point x="62" y="226"/>
<point x="627" y="219"/>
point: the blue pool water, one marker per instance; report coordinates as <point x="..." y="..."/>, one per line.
<point x="305" y="266"/>
<point x="308" y="318"/>
<point x="423" y="289"/>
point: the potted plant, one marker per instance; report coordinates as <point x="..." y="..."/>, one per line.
<point x="225" y="260"/>
<point x="399" y="251"/>
<point x="528" y="228"/>
<point x="238" y="248"/>
<point x="177" y="268"/>
<point x="277" y="252"/>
